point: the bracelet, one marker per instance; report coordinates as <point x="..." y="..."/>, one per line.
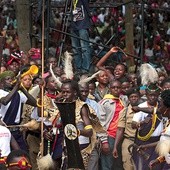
<point x="38" y="100"/>
<point x="88" y="127"/>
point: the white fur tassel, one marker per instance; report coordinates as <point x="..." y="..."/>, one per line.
<point x="163" y="146"/>
<point x="45" y="162"/>
<point x="59" y="83"/>
<point x="148" y="74"/>
<point x="86" y="80"/>
<point x="68" y="68"/>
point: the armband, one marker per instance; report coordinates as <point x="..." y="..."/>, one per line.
<point x="88" y="127"/>
<point x="39" y="105"/>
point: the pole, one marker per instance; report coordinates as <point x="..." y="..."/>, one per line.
<point x="42" y="88"/>
<point x="142" y="32"/>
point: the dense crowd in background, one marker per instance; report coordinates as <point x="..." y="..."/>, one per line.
<point x="115" y="94"/>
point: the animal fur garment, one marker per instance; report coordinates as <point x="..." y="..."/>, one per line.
<point x="148" y="74"/>
<point x="86" y="80"/>
<point x="45" y="162"/>
<point x="55" y="78"/>
<point x="68" y="68"/>
<point x="163" y="146"/>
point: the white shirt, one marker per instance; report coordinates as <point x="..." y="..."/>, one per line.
<point x="140" y="116"/>
<point x="5" y="139"/>
<point x="4" y="108"/>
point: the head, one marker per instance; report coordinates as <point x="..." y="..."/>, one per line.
<point x="120" y="71"/>
<point x="6" y="79"/>
<point x="70" y="90"/>
<point x="165" y="85"/>
<point x="125" y="86"/>
<point x="14" y="66"/>
<point x="92" y="87"/>
<point x="53" y="61"/>
<point x="26" y="81"/>
<point x="165" y="103"/>
<point x="152" y="94"/>
<point x="133" y="96"/>
<point x="50" y="84"/>
<point x="84" y="91"/>
<point x="18" y="160"/>
<point x="58" y="71"/>
<point x="103" y="78"/>
<point x="115" y="88"/>
<point x="133" y="79"/>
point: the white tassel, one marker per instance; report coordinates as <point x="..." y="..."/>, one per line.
<point x="163" y="146"/>
<point x="68" y="68"/>
<point x="86" y="80"/>
<point x="45" y="162"/>
<point x="148" y="74"/>
<point x="59" y="83"/>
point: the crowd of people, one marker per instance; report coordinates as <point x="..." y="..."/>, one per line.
<point x="90" y="112"/>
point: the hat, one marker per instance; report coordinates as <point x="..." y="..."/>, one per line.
<point x="152" y="87"/>
<point x="16" y="56"/>
<point x="5" y="74"/>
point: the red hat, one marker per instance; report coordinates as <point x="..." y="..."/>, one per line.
<point x="16" y="56"/>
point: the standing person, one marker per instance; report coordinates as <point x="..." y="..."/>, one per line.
<point x="11" y="104"/>
<point x="111" y="105"/>
<point x="125" y="130"/>
<point x="70" y="92"/>
<point x="149" y="127"/>
<point x="99" y="133"/>
<point x="80" y="25"/>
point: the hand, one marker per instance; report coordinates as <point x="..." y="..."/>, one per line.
<point x="136" y="108"/>
<point x="114" y="49"/>
<point x="105" y="148"/>
<point x="142" y="147"/>
<point x="48" y="135"/>
<point x="115" y="153"/>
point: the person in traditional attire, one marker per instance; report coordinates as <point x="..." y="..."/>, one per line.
<point x="70" y="93"/>
<point x="149" y="127"/>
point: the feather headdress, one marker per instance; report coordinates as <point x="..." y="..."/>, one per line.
<point x="148" y="74"/>
<point x="57" y="80"/>
<point x="86" y="80"/>
<point x="68" y="68"/>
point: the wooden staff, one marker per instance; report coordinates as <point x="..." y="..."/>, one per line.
<point x="2" y="40"/>
<point x="42" y="88"/>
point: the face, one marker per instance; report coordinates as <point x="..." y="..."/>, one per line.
<point x="68" y="93"/>
<point x="152" y="98"/>
<point x="103" y="78"/>
<point x="125" y="87"/>
<point x="14" y="66"/>
<point x="52" y="61"/>
<point x="8" y="81"/>
<point x="164" y="110"/>
<point x="161" y="78"/>
<point x="84" y="92"/>
<point x="119" y="71"/>
<point x="115" y="88"/>
<point x="166" y="86"/>
<point x="58" y="71"/>
<point x="133" y="79"/>
<point x="91" y="88"/>
<point x="27" y="81"/>
<point x="51" y="84"/>
<point x="134" y="98"/>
